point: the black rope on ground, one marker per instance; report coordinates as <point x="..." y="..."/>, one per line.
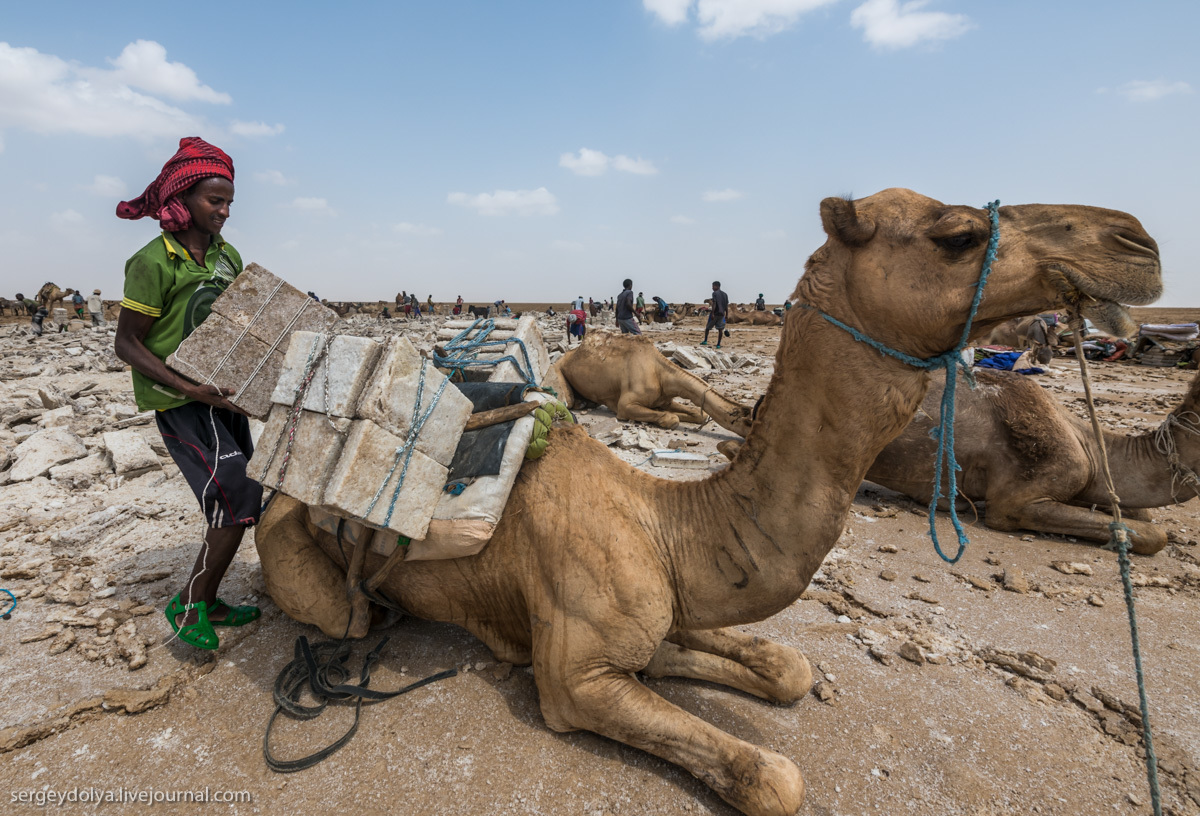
<point x="323" y="668"/>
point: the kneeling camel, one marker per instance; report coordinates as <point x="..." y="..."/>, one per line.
<point x="629" y="376"/>
<point x="636" y="574"/>
<point x="1037" y="465"/>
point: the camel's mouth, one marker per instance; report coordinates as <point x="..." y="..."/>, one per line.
<point x="1106" y="308"/>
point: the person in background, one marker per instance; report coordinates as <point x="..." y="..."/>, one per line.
<point x="430" y="307"/>
<point x="639" y="308"/>
<point x="575" y="304"/>
<point x="385" y="314"/>
<point x="664" y="309"/>
<point x="77" y="304"/>
<point x="716" y="315"/>
<point x="96" y="308"/>
<point x="760" y="305"/>
<point x="36" y="319"/>
<point x="170" y="286"/>
<point x="624" y="309"/>
<point x="576" y="325"/>
<point x="458" y="305"/>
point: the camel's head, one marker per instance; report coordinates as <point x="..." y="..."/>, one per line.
<point x="909" y="266"/>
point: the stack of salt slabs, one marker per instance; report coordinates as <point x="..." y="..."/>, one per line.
<point x="337" y="449"/>
<point x="464" y="522"/>
<point x="241" y="344"/>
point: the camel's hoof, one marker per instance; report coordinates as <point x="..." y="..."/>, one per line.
<point x="773" y="786"/>
<point x="1147" y="544"/>
<point x="668" y="422"/>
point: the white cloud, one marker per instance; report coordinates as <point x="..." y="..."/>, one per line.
<point x="508" y="202"/>
<point x="272" y="177"/>
<point x="682" y="219"/>
<point x="594" y="163"/>
<point x="722" y="195"/>
<point x="317" y="205"/>
<point x="567" y="246"/>
<point x="107" y="186"/>
<point x="254" y="129"/>
<point x="729" y="19"/>
<point x="405" y="228"/>
<point x="891" y="24"/>
<point x="1148" y="91"/>
<point x="143" y="64"/>
<point x="640" y="167"/>
<point x="587" y="163"/>
<point x="44" y="94"/>
<point x="671" y="12"/>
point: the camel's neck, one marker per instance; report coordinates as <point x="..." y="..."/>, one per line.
<point x="1141" y="465"/>
<point x="764" y="525"/>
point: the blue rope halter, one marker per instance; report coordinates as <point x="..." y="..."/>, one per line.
<point x="944" y="432"/>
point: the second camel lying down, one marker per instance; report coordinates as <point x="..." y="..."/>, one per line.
<point x="1038" y="466"/>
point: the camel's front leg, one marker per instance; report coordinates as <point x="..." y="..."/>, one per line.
<point x="1054" y="517"/>
<point x="752" y="779"/>
<point x="580" y="688"/>
<point x="772" y="671"/>
<point x="628" y="409"/>
<point x="686" y="413"/>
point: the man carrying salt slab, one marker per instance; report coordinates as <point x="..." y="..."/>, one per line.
<point x="170" y="285"/>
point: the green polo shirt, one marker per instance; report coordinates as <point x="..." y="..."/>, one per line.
<point x="163" y="281"/>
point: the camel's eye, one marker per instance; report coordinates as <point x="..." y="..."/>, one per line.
<point x="958" y="242"/>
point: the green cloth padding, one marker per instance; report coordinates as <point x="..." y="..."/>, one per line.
<point x="543" y="417"/>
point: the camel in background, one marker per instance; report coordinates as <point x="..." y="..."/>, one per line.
<point x="49" y="295"/>
<point x="1037" y="465"/>
<point x="630" y="377"/>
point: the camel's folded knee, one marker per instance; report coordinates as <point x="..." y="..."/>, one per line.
<point x="301" y="579"/>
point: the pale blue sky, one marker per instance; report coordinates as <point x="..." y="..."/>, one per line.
<point x="541" y="150"/>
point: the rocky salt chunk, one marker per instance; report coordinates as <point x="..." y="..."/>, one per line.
<point x="42" y="451"/>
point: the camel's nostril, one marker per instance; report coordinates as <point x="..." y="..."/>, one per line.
<point x="1136" y="241"/>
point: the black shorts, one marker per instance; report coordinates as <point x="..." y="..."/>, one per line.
<point x="215" y="467"/>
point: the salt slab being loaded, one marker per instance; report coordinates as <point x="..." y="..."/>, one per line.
<point x="241" y="344"/>
<point x="340" y="373"/>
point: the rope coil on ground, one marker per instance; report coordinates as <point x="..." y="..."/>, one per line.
<point x="323" y="668"/>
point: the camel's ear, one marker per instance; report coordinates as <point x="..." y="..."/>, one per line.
<point x="843" y="222"/>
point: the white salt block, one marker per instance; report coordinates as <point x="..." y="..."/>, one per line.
<point x="366" y="465"/>
<point x="538" y="358"/>
<point x="316" y="447"/>
<point x="130" y="452"/>
<point x="391" y="393"/>
<point x="340" y="376"/>
<point x="679" y="459"/>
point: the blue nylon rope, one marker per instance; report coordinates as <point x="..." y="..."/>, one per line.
<point x="1120" y="542"/>
<point x="944" y="432"/>
<point x="461" y="352"/>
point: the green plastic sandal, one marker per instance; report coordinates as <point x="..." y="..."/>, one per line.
<point x="199" y="634"/>
<point x="237" y="615"/>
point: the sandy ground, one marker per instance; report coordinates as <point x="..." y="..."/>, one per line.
<point x="958" y="733"/>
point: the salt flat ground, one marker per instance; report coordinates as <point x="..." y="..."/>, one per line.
<point x="956" y="734"/>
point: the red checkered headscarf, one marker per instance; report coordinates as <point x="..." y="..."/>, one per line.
<point x="196" y="160"/>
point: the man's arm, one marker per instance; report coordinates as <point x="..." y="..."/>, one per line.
<point x="132" y="328"/>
